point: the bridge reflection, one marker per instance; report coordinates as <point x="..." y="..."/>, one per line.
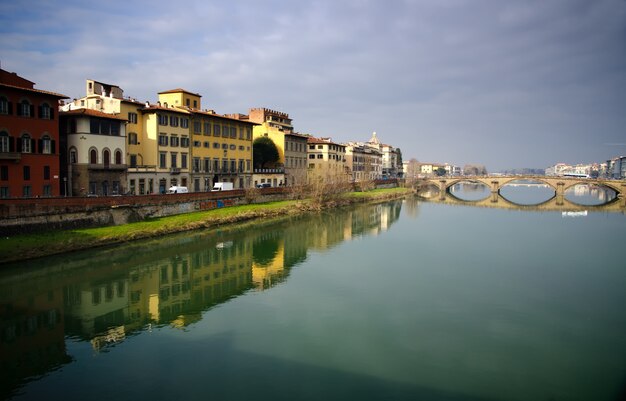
<point x="555" y="203"/>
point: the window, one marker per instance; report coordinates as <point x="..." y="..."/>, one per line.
<point x="118" y="157"/>
<point x="162" y="119"/>
<point x="27" y="144"/>
<point x="26" y="191"/>
<point x="162" y="160"/>
<point x="206" y="144"/>
<point x="216" y="165"/>
<point x="174" y="141"/>
<point x="47" y="190"/>
<point x="104" y="126"/>
<point x="217" y="130"/>
<point x="196" y="165"/>
<point x="197" y="144"/>
<point x="233" y="166"/>
<point x="173" y="159"/>
<point x="93" y="156"/>
<point x="320" y="156"/>
<point x="184" y="142"/>
<point x="224" y="146"/>
<point x="197" y="127"/>
<point x="73" y="156"/>
<point x="45" y="111"/>
<point x="4" y="173"/>
<point x="106" y="157"/>
<point x="46" y="172"/>
<point x="216" y="145"/>
<point x="5" y="142"/>
<point x="184" y="122"/>
<point x="4" y="192"/>
<point x="45" y="145"/>
<point x="25" y="109"/>
<point x="132" y="138"/>
<point x="163" y="140"/>
<point x="242" y="147"/>
<point x="132" y="118"/>
<point x="225" y="131"/>
<point x="233" y="132"/>
<point x="248" y="133"/>
<point x="233" y="147"/>
<point x="183" y="160"/>
<point x="225" y="166"/>
<point x="133" y="160"/>
<point x="4" y="105"/>
<point x="207" y="128"/>
<point x="240" y="132"/>
<point x="174" y="121"/>
<point x="207" y="164"/>
<point x="311" y="156"/>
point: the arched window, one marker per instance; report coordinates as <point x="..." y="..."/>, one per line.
<point x="25" y="109"/>
<point x="73" y="156"/>
<point x="45" y="111"/>
<point x="45" y="145"/>
<point x="106" y="157"/>
<point x="5" y="106"/>
<point x="5" y="142"/>
<point x="93" y="156"/>
<point x="26" y="143"/>
<point x="118" y="157"/>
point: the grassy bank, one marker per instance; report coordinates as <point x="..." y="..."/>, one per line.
<point x="44" y="244"/>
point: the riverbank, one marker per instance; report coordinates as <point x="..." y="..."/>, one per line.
<point x="31" y="246"/>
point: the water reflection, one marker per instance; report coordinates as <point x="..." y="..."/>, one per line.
<point x="104" y="296"/>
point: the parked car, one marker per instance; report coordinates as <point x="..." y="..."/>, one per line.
<point x="264" y="185"/>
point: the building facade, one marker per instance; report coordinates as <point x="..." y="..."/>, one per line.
<point x="29" y="139"/>
<point x="326" y="161"/>
<point x="363" y="162"/>
<point x="95" y="152"/>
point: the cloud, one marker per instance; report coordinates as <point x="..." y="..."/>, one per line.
<point x="450" y="81"/>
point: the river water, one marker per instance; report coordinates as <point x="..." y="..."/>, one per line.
<point x="404" y="300"/>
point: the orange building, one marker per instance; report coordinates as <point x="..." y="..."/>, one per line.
<point x="29" y="139"/>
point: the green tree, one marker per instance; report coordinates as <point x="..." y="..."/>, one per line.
<point x="440" y="172"/>
<point x="264" y="153"/>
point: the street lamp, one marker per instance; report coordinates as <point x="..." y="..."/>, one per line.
<point x="65" y="186"/>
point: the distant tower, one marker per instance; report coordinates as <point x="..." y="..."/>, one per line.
<point x="374" y="140"/>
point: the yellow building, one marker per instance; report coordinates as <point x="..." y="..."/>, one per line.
<point x="326" y="160"/>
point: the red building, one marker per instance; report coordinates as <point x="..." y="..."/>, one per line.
<point x="29" y="139"/>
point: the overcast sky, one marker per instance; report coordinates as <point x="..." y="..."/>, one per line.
<point x="507" y="84"/>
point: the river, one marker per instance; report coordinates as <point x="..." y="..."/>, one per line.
<point x="403" y="300"/>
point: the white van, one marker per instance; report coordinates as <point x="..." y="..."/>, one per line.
<point x="177" y="190"/>
<point x="222" y="186"/>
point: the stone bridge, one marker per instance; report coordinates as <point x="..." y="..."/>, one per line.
<point x="558" y="184"/>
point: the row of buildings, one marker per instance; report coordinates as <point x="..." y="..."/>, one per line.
<point x="614" y="168"/>
<point x="106" y="143"/>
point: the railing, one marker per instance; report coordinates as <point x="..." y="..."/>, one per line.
<point x="10" y="156"/>
<point x="101" y="166"/>
<point x="269" y="170"/>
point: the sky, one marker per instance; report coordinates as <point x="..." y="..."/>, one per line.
<point x="506" y="84"/>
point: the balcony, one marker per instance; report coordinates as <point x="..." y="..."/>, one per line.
<point x="11" y="156"/>
<point x="109" y="167"/>
<point x="280" y="170"/>
<point x="174" y="170"/>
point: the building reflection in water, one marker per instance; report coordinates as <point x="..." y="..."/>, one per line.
<point x="103" y="296"/>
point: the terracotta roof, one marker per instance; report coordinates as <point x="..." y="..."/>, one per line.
<point x="60" y="96"/>
<point x="155" y="107"/>
<point x="92" y="113"/>
<point x="177" y="90"/>
<point x="206" y="113"/>
<point x="322" y="141"/>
